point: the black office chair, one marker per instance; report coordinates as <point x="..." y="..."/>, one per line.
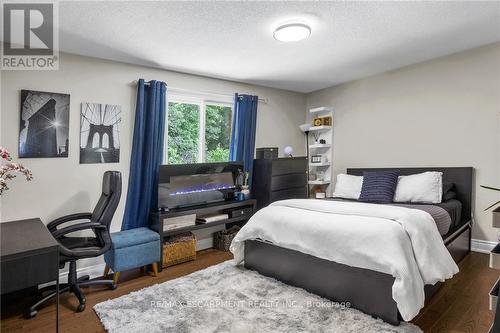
<point x="73" y="248"/>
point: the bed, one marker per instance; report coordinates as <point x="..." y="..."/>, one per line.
<point x="368" y="290"/>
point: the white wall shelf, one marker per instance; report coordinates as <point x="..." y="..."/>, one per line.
<point x="319" y="182"/>
<point x="320" y="128"/>
<point x="319" y="164"/>
<point x="318" y="146"/>
<point x="321" y="109"/>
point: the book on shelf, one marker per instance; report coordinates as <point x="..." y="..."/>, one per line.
<point x="212" y="218"/>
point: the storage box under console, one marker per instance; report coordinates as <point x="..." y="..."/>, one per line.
<point x="178" y="249"/>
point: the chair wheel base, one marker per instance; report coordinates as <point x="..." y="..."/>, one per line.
<point x="31" y="314"/>
<point x="80" y="308"/>
<point x="113" y="286"/>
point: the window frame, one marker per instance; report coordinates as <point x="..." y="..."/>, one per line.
<point x="202" y="101"/>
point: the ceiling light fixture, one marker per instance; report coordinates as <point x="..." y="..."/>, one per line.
<point x="292" y="32"/>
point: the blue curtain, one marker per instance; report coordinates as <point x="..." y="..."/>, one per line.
<point x="147" y="154"/>
<point x="243" y="131"/>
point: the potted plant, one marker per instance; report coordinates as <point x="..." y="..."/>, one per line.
<point x="9" y="169"/>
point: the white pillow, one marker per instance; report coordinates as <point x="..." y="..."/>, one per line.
<point x="348" y="187"/>
<point x="424" y="187"/>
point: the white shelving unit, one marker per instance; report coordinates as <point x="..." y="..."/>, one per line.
<point x="315" y="148"/>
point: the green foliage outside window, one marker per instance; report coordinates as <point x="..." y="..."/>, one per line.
<point x="183" y="127"/>
<point x="217" y="133"/>
<point x="183" y="133"/>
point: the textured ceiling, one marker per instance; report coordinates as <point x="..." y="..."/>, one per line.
<point x="233" y="40"/>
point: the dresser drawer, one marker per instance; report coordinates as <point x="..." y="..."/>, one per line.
<point x="284" y="182"/>
<point x="291" y="193"/>
<point x="285" y="166"/>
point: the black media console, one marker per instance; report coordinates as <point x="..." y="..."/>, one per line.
<point x="157" y="218"/>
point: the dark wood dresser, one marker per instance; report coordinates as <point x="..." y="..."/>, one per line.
<point x="279" y="179"/>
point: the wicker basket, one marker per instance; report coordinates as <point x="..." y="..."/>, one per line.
<point x="179" y="249"/>
<point x="223" y="239"/>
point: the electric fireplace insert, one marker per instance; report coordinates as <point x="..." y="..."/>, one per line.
<point x="184" y="185"/>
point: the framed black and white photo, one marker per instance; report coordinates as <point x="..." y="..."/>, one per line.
<point x="100" y="133"/>
<point x="44" y="124"/>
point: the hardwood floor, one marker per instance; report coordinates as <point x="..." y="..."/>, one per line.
<point x="460" y="306"/>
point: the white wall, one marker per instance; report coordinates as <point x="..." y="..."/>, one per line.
<point x="443" y="112"/>
<point x="62" y="185"/>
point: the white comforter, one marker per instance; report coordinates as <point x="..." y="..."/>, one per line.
<point x="402" y="242"/>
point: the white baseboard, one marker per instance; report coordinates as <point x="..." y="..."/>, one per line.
<point x="482" y="246"/>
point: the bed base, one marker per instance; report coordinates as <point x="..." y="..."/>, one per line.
<point x="366" y="290"/>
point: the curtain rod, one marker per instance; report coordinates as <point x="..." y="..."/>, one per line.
<point x="175" y="89"/>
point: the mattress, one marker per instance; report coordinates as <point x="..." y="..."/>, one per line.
<point x="398" y="241"/>
<point x="447" y="215"/>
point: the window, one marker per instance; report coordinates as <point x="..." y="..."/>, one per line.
<point x="198" y="130"/>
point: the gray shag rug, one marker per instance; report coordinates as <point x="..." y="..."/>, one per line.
<point x="225" y="298"/>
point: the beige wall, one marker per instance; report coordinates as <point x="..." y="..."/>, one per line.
<point x="444" y="112"/>
<point x="62" y="185"/>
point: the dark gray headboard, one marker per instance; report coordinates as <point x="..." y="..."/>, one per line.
<point x="461" y="176"/>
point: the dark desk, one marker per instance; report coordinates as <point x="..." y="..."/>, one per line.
<point x="29" y="257"/>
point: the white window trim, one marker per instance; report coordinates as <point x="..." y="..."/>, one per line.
<point x="202" y="102"/>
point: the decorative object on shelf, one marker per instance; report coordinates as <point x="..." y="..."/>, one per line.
<point x="288" y="151"/>
<point x="322" y="141"/>
<point x="322" y="121"/>
<point x="100" y="133"/>
<point x="320" y="175"/>
<point x="267" y="152"/>
<point x="317" y="189"/>
<point x="320" y="195"/>
<point x="316" y="136"/>
<point x="316" y="158"/>
<point x="239" y="179"/>
<point x="44" y="124"/>
<point x="9" y="169"/>
<point x="245" y="193"/>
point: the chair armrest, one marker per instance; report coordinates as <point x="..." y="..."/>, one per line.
<point x="77" y="227"/>
<point x="52" y="226"/>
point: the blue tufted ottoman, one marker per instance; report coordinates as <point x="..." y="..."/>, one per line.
<point x="131" y="249"/>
